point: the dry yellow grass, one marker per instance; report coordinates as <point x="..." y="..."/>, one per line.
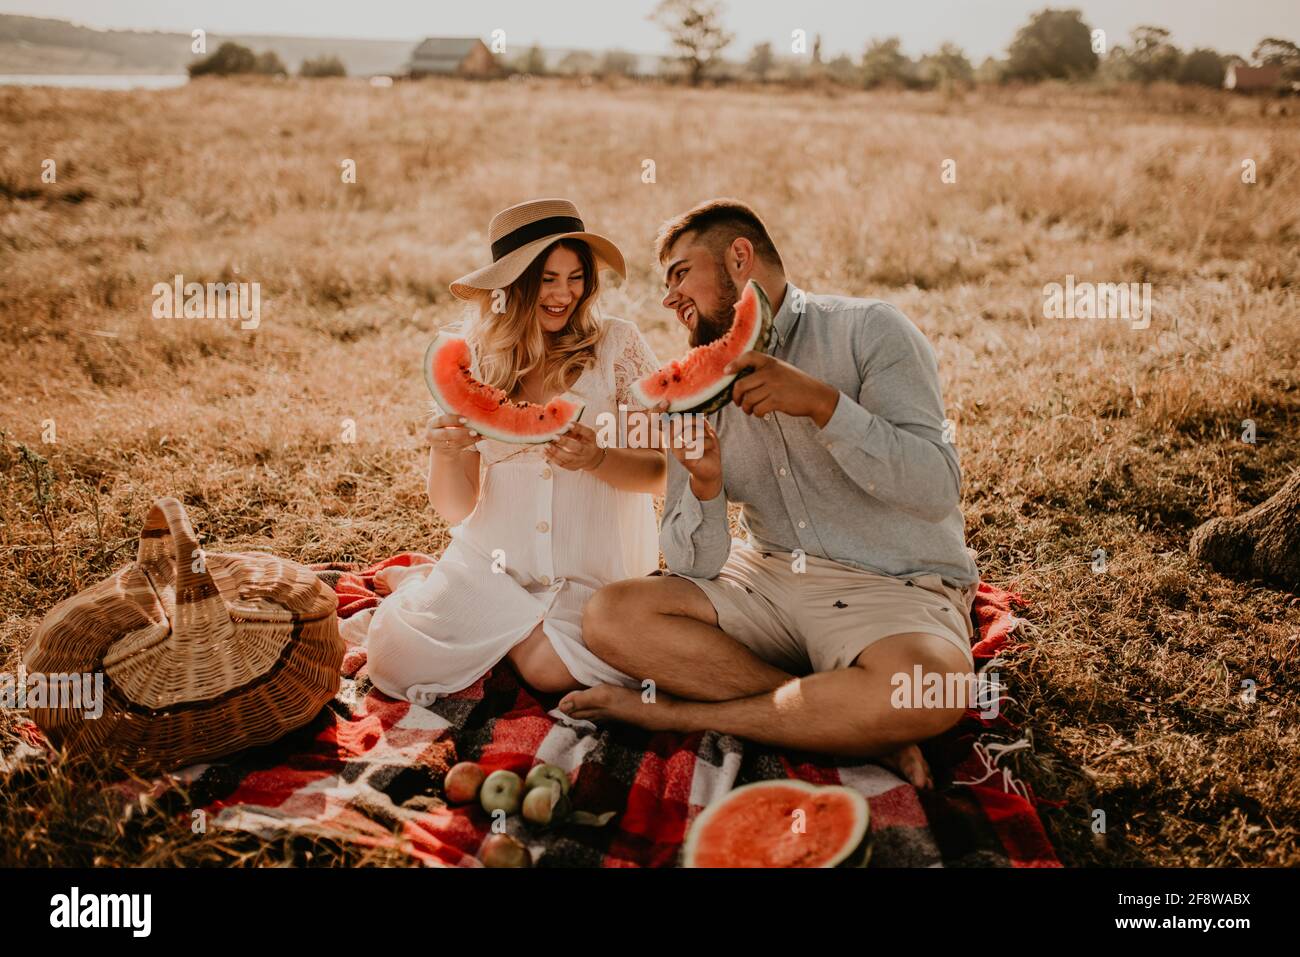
<point x="1075" y="435"/>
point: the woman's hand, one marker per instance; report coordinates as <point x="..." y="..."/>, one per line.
<point x="448" y="436"/>
<point x="575" y="449"/>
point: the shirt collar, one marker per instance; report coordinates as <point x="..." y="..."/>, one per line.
<point x="786" y="316"/>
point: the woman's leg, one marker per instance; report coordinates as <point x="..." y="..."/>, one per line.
<point x="539" y="665"/>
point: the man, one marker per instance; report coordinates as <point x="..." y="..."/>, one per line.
<point x="856" y="570"/>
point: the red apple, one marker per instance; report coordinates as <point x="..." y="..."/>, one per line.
<point x="463" y="782"/>
<point x="502" y="850"/>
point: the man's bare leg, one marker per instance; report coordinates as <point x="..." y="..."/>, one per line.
<point x="665" y="629"/>
<point x="848" y="711"/>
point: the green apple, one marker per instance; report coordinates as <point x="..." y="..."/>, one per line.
<point x="501" y="792"/>
<point x="502" y="850"/>
<point x="463" y="782"/>
<point x="545" y="773"/>
<point x="546" y="804"/>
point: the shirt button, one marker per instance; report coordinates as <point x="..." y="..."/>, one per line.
<point x="870" y="487"/>
<point x="543" y="527"/>
<point x="780" y="471"/>
<point x="803" y="524"/>
<point x="546" y="472"/>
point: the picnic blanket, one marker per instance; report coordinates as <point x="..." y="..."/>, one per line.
<point x="369" y="769"/>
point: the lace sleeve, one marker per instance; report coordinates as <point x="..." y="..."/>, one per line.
<point x="633" y="360"/>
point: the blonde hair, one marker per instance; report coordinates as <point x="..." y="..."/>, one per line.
<point x="511" y="344"/>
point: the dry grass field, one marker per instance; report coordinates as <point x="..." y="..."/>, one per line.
<point x="1075" y="435"/>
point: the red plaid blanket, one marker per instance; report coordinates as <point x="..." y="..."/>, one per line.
<point x="369" y="769"/>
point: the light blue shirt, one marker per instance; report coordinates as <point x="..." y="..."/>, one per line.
<point x="878" y="488"/>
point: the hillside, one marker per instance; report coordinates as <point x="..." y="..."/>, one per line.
<point x="38" y="45"/>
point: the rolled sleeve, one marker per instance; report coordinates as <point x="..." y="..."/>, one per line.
<point x="693" y="535"/>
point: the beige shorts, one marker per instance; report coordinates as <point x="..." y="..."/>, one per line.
<point x="821" y="618"/>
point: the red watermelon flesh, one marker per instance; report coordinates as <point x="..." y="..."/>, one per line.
<point x="780" y="824"/>
<point x="486" y="409"/>
<point x="696" y="382"/>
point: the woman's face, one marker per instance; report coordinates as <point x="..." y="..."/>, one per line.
<point x="562" y="287"/>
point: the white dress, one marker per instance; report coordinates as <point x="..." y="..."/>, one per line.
<point x="538" y="544"/>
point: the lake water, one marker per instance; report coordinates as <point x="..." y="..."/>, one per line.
<point x="91" y="81"/>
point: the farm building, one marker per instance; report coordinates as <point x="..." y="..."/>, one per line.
<point x="1252" y="79"/>
<point x="453" y="56"/>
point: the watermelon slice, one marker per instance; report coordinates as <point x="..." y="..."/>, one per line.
<point x="757" y="825"/>
<point x="486" y="409"/>
<point x="696" y="382"/>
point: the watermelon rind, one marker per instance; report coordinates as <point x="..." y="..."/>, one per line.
<point x="855" y="852"/>
<point x="482" y="428"/>
<point x="720" y="394"/>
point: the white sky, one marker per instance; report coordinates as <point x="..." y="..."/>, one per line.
<point x="981" y="27"/>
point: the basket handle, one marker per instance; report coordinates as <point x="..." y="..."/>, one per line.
<point x="167" y="538"/>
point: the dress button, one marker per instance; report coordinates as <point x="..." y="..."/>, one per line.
<point x="546" y="581"/>
<point x="803" y="524"/>
<point x="546" y="472"/>
<point x="543" y="527"/>
<point x="780" y="471"/>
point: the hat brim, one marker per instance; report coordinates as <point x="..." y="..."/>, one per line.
<point x="511" y="266"/>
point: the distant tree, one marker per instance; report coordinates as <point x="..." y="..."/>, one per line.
<point x="946" y="67"/>
<point x="533" y="61"/>
<point x="695" y="29"/>
<point x="270" y="64"/>
<point x="842" y="69"/>
<point x="886" y="63"/>
<point x="617" y="63"/>
<point x="991" y="71"/>
<point x="578" y="63"/>
<point x="761" y="61"/>
<point x="322" y="66"/>
<point x="1054" y="44"/>
<point x="1274" y="51"/>
<point x="1203" y="67"/>
<point x="817" y="49"/>
<point x="229" y="59"/>
<point x="1153" y="57"/>
<point x="1116" y="68"/>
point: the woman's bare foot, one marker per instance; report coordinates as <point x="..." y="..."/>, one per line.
<point x="612" y="703"/>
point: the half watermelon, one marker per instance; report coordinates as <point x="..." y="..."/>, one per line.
<point x="696" y="382"/>
<point x="488" y="410"/>
<point x="782" y="823"/>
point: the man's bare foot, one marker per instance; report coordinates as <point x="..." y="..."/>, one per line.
<point x="612" y="703"/>
<point x="909" y="764"/>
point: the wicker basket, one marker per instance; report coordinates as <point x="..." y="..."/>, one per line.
<point x="202" y="654"/>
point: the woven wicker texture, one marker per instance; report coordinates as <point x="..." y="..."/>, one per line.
<point x="202" y="654"/>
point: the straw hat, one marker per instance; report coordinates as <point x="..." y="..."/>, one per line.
<point x="518" y="234"/>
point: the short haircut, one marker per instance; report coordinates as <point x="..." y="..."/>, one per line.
<point x="717" y="223"/>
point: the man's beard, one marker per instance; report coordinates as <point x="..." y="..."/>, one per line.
<point x="711" y="327"/>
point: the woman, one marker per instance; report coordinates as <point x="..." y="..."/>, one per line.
<point x="536" y="529"/>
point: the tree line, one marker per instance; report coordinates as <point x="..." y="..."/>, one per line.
<point x="233" y="59"/>
<point x="1054" y="44"/>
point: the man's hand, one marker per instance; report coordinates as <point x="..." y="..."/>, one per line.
<point x="776" y="386"/>
<point x="692" y="433"/>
